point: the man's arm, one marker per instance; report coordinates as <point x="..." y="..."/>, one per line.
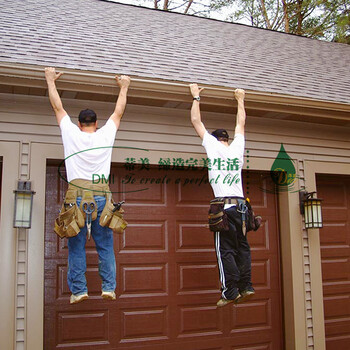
<point x="241" y="115"/>
<point x="123" y="82"/>
<point x="195" y="112"/>
<point x="55" y="100"/>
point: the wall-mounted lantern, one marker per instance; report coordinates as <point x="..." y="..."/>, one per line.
<point x="311" y="208"/>
<point x="23" y="205"/>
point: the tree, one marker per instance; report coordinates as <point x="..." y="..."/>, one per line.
<point x="200" y="7"/>
<point x="320" y="19"/>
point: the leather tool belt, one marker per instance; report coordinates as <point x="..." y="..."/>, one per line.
<point x="232" y="200"/>
<point x="218" y="220"/>
<point x="71" y="218"/>
<point x="217" y="216"/>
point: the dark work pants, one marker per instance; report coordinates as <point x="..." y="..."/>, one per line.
<point x="233" y="256"/>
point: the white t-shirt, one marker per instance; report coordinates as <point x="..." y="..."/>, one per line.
<point x="225" y="165"/>
<point x="88" y="155"/>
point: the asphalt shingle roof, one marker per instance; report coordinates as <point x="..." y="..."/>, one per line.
<point x="115" y="38"/>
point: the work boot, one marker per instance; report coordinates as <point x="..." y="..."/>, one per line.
<point x="222" y="302"/>
<point x="108" y="295"/>
<point x="246" y="295"/>
<point x="74" y="299"/>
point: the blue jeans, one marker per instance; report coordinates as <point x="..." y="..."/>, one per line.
<point x="103" y="237"/>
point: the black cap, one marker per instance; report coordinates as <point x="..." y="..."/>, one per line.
<point x="87" y="116"/>
<point x="220" y="133"/>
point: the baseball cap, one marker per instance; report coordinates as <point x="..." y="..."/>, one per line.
<point x="220" y="133"/>
<point x="87" y="116"/>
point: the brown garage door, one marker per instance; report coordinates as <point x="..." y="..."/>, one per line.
<point x="166" y="273"/>
<point x="335" y="254"/>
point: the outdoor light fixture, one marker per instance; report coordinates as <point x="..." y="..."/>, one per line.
<point x="310" y="207"/>
<point x="23" y="205"/>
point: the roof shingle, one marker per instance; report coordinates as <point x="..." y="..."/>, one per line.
<point x="116" y="38"/>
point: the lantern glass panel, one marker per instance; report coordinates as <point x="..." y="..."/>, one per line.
<point x="308" y="215"/>
<point x="23" y="203"/>
<point x="318" y="222"/>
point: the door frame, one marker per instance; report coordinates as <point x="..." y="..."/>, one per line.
<point x="10" y="153"/>
<point x="312" y="168"/>
<point x="294" y="313"/>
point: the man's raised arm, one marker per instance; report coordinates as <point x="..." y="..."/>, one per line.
<point x="123" y="82"/>
<point x="55" y="100"/>
<point x="195" y="111"/>
<point x="241" y="115"/>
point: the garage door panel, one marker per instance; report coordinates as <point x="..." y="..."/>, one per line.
<point x="335" y="251"/>
<point x="199" y="320"/>
<point x="167" y="276"/>
<point x="260" y="240"/>
<point x="72" y="327"/>
<point x="242" y="320"/>
<point x="194" y="196"/>
<point x="338" y="328"/>
<point x="255" y="347"/>
<point x="334" y="216"/>
<point x="197" y="278"/>
<point x="334" y="233"/>
<point x="261" y="273"/>
<point x="341" y="342"/>
<point x="335" y="255"/>
<point x="146" y="280"/>
<point x="146" y="324"/>
<point x="335" y="193"/>
<point x="337" y="306"/>
<point x="244" y="339"/>
<point x="145" y="235"/>
<point x="336" y="270"/>
<point x="193" y="236"/>
<point x="134" y="194"/>
<point x="260" y="199"/>
<point x="338" y="288"/>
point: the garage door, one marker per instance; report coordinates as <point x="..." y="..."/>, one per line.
<point x="335" y="254"/>
<point x="166" y="272"/>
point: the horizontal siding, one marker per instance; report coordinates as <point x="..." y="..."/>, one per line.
<point x="30" y="118"/>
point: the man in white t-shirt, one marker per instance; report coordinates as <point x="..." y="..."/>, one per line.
<point x="87" y="152"/>
<point x="225" y="176"/>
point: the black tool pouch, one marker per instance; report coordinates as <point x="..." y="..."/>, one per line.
<point x="217" y="216"/>
<point x="253" y="221"/>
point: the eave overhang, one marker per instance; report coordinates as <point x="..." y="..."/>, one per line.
<point x="19" y="75"/>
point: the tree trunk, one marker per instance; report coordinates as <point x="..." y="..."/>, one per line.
<point x="286" y="18"/>
<point x="300" y="17"/>
<point x="165" y="6"/>
<point x="188" y="6"/>
<point x="263" y="8"/>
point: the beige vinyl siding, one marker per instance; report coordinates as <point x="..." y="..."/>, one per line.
<point x="30" y="118"/>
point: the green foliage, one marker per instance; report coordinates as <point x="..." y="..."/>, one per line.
<point x="319" y="19"/>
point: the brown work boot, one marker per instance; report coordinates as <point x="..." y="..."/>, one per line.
<point x="108" y="295"/>
<point x="75" y="299"/>
<point x="222" y="302"/>
<point x="246" y="295"/>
